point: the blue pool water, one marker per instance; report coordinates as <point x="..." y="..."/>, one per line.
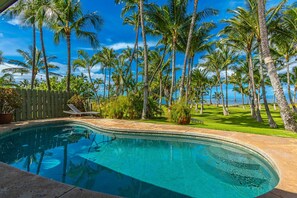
<point x="138" y="166"/>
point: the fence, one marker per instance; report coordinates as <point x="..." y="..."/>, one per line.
<point x="38" y="104"/>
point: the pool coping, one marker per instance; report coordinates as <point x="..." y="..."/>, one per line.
<point x="283" y="189"/>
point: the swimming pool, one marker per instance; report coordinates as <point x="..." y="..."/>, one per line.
<point x="138" y="165"/>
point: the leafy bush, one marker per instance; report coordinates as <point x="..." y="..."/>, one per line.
<point x="78" y="101"/>
<point x="180" y="113"/>
<point x="9" y="100"/>
<point x="126" y="107"/>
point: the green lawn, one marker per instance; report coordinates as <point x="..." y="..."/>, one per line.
<point x="239" y="120"/>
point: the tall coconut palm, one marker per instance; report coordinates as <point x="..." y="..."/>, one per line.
<point x="131" y="15"/>
<point x="249" y="18"/>
<point x="229" y="57"/>
<point x="193" y="21"/>
<point x="169" y="21"/>
<point x="286" y="49"/>
<point x="71" y="19"/>
<point x="107" y="57"/>
<point x="200" y="84"/>
<point x="214" y="63"/>
<point x="145" y="89"/>
<point x="26" y="10"/>
<point x="87" y="62"/>
<point x="26" y="66"/>
<point x="200" y="43"/>
<point x="242" y="37"/>
<point x="287" y="117"/>
<point x="43" y="15"/>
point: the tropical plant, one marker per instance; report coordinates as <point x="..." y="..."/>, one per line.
<point x="26" y="66"/>
<point x="71" y="19"/>
<point x="180" y="113"/>
<point x="87" y="62"/>
<point x="287" y="117"/>
<point x="9" y="100"/>
<point x="107" y="57"/>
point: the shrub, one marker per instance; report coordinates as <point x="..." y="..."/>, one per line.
<point x="180" y="113"/>
<point x="78" y="101"/>
<point x="127" y="107"/>
<point x="10" y="100"/>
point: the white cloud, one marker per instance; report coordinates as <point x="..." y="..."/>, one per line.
<point x="124" y="45"/>
<point x="1" y="35"/>
<point x="15" y="21"/>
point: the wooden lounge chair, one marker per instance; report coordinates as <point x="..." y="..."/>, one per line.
<point x="75" y="111"/>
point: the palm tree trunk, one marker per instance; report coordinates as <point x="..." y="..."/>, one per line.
<point x="227" y="87"/>
<point x="104" y="81"/>
<point x="242" y="99"/>
<point x="160" y="89"/>
<point x="225" y="110"/>
<point x="159" y="65"/>
<point x="289" y="87"/>
<point x="202" y="104"/>
<point x="210" y="95"/>
<point x="188" y="90"/>
<point x="134" y="49"/>
<point x="92" y="83"/>
<point x="271" y="121"/>
<point x="33" y="56"/>
<point x="173" y="73"/>
<point x="294" y="94"/>
<point x="287" y="117"/>
<point x="253" y="86"/>
<point x="109" y="78"/>
<point x="45" y="59"/>
<point x="145" y="88"/>
<point x="188" y="49"/>
<point x="69" y="61"/>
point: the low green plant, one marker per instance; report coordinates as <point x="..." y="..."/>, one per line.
<point x="78" y="101"/>
<point x="126" y="107"/>
<point x="180" y="113"/>
<point x="10" y="100"/>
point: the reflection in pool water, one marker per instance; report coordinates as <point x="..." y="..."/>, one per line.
<point x="145" y="166"/>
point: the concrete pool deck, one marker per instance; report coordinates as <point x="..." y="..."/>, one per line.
<point x="282" y="152"/>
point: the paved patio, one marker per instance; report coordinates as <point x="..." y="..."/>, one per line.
<point x="282" y="152"/>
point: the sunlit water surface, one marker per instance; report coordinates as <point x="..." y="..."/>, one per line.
<point x="143" y="166"/>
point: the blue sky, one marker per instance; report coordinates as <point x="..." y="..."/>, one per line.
<point x="113" y="33"/>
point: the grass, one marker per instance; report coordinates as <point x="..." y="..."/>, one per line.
<point x="239" y="120"/>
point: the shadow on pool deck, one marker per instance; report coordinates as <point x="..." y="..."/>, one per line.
<point x="277" y="193"/>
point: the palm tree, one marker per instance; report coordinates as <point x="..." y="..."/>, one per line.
<point x="287" y="117"/>
<point x="242" y="37"/>
<point x="249" y="18"/>
<point x="1" y="57"/>
<point x="145" y="92"/>
<point x="70" y="19"/>
<point x="27" y="65"/>
<point x="43" y="15"/>
<point x="200" y="84"/>
<point x="214" y="63"/>
<point x="169" y="21"/>
<point x="85" y="61"/>
<point x="200" y="42"/>
<point x="193" y="21"/>
<point x="238" y="79"/>
<point x="26" y="9"/>
<point x="229" y="57"/>
<point x="286" y="50"/>
<point x="108" y="59"/>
